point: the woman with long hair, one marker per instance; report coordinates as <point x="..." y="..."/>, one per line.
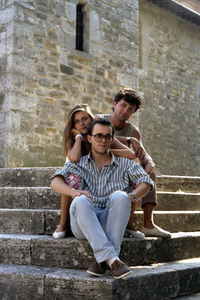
<point x="75" y="146"/>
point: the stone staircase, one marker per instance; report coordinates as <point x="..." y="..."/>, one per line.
<point x="33" y="265"/>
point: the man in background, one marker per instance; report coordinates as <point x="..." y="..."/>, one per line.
<point x="126" y="103"/>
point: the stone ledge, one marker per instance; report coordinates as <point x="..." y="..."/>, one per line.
<point x="45" y="197"/>
<point x="40" y="176"/>
<point x="37" y="176"/>
<point x="73" y="253"/>
<point x="29" y="198"/>
<point x="178" y="201"/>
<point x="174" y="183"/>
<point x="164" y="281"/>
<point x="179" y="10"/>
<point x="44" y="221"/>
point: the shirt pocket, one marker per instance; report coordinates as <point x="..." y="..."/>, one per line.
<point x="116" y="184"/>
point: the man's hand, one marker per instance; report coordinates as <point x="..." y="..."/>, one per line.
<point x="75" y="193"/>
<point x="134" y="200"/>
<point x="138" y="148"/>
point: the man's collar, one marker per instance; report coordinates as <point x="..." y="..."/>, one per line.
<point x="114" y="159"/>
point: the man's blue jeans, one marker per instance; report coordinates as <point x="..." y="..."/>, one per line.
<point x="103" y="228"/>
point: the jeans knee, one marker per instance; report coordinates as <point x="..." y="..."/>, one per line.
<point x="120" y="198"/>
<point x="81" y="203"/>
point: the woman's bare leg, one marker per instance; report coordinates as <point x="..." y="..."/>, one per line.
<point x="130" y="224"/>
<point x="65" y="205"/>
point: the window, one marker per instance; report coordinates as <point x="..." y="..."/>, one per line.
<point x="79" y="27"/>
<point x="82" y="28"/>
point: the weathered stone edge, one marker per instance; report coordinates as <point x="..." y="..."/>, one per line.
<point x="73" y="253"/>
<point x="168" y="280"/>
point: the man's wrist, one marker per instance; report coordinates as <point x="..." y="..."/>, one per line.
<point x="128" y="139"/>
<point x="133" y="195"/>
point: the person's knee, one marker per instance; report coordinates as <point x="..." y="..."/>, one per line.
<point x="120" y="198"/>
<point x="81" y="203"/>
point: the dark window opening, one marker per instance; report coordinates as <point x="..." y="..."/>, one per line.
<point x="79" y="27"/>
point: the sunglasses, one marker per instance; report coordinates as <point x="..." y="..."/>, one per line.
<point x="99" y="137"/>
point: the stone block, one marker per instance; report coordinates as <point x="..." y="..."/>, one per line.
<point x="3" y="65"/>
<point x="173" y="221"/>
<point x="66" y="69"/>
<point x="26" y="176"/>
<point x="13" y="197"/>
<point x="68" y="253"/>
<point x="70" y="11"/>
<point x="21" y="283"/>
<point x="69" y="284"/>
<point x="189" y="280"/>
<point x="15" y="249"/>
<point x="182" y="245"/>
<point x="178" y="183"/>
<point x="178" y="201"/>
<point x="43" y="197"/>
<point x="22" y="221"/>
<point x="52" y="219"/>
<point x="147" y="283"/>
<point x="6" y="15"/>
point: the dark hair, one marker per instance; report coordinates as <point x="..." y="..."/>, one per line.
<point x="103" y="122"/>
<point x="129" y="95"/>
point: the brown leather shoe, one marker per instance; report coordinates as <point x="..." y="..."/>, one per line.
<point x="97" y="269"/>
<point x="119" y="269"/>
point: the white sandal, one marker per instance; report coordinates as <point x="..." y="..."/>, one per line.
<point x="59" y="235"/>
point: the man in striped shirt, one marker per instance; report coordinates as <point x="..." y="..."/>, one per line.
<point x="101" y="208"/>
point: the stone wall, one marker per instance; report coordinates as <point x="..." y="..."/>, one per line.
<point x="49" y="77"/>
<point x="42" y="77"/>
<point x="169" y="69"/>
<point x="6" y="46"/>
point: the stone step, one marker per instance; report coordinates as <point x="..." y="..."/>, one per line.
<point x="159" y="281"/>
<point x="178" y="183"/>
<point x="29" y="197"/>
<point x="44" y="221"/>
<point x="178" y="201"/>
<point x="73" y="253"/>
<point x="26" y="176"/>
<point x="46" y="198"/>
<point x="39" y="176"/>
<point x="190" y="297"/>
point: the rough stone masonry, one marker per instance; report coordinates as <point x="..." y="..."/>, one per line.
<point x="126" y="43"/>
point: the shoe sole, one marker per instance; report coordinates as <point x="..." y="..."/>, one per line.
<point x="94" y="274"/>
<point x="123" y="275"/>
<point x="135" y="235"/>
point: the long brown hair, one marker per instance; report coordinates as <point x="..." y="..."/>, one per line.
<point x="68" y="138"/>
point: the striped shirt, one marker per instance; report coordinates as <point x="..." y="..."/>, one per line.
<point x="118" y="175"/>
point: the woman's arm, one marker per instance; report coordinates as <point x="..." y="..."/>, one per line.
<point x="74" y="154"/>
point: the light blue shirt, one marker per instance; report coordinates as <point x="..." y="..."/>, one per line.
<point x="118" y="175"/>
